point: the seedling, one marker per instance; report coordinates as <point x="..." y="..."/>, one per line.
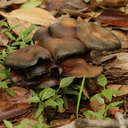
<point x="8" y="124"/>
<point x="49" y="96"/>
<point x="102" y="80"/>
<point x="23" y="38"/>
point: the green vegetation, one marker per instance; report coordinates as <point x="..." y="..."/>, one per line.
<point x="107" y="93"/>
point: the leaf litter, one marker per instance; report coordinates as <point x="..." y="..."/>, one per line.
<point x="114" y="63"/>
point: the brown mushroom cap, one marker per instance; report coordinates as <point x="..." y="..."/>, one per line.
<point x="65" y="28"/>
<point x="42" y="67"/>
<point x="27" y="56"/>
<point x="48" y="80"/>
<point x="63" y="47"/>
<point x="79" y="67"/>
<point x="39" y="33"/>
<point x="96" y="37"/>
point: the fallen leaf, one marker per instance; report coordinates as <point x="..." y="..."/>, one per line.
<point x="27" y="17"/>
<point x="123" y="88"/>
<point x="96" y="105"/>
<point x="3" y="38"/>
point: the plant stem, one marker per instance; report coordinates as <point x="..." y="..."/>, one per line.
<point x="79" y="97"/>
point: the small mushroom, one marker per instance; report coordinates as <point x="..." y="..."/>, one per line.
<point x="79" y="67"/>
<point x="27" y="56"/>
<point x="42" y="32"/>
<point x="65" y="28"/>
<point x="42" y="67"/>
<point x="63" y="47"/>
<point x="96" y="37"/>
<point x="49" y="80"/>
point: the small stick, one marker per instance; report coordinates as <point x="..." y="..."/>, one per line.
<point x="121" y="120"/>
<point x="83" y="122"/>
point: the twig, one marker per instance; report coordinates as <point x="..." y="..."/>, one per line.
<point x="121" y="120"/>
<point x="83" y="122"/>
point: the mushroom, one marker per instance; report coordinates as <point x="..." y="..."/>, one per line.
<point x="27" y="56"/>
<point x="96" y="37"/>
<point x="64" y="28"/>
<point x="79" y="67"/>
<point x="63" y="47"/>
<point x="62" y="51"/>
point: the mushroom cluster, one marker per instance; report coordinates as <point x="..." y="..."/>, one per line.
<point x="58" y="52"/>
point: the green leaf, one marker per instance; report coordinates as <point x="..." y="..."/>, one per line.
<point x="7" y="123"/>
<point x="3" y="75"/>
<point x="22" y="45"/>
<point x="86" y="115"/>
<point x="4" y="54"/>
<point x="101" y="112"/>
<point x="4" y="30"/>
<point x="95" y="114"/>
<point x="108" y="118"/>
<point x="40" y="109"/>
<point x="112" y="105"/>
<point x="72" y="92"/>
<point x="10" y="49"/>
<point x="65" y="102"/>
<point x="13" y="27"/>
<point x="34" y="126"/>
<point x="102" y="80"/>
<point x="96" y="96"/>
<point x="50" y="102"/>
<point x="10" y="35"/>
<point x="66" y="81"/>
<point x="40" y="119"/>
<point x="19" y="38"/>
<point x="34" y="99"/>
<point x="22" y="124"/>
<point x="116" y="92"/>
<point x="31" y="4"/>
<point x="60" y="104"/>
<point x="4" y="24"/>
<point x="3" y="85"/>
<point x="8" y="73"/>
<point x="48" y="93"/>
<point x="28" y="40"/>
<point x="10" y="92"/>
<point x="55" y="97"/>
<point x="75" y="86"/>
<point x="107" y="93"/>
<point x="33" y="93"/>
<point x="1" y="62"/>
<point x="101" y="100"/>
<point x="3" y="69"/>
<point x="29" y="30"/>
<point x="17" y="43"/>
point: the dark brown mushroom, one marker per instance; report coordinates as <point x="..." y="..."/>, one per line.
<point x="27" y="56"/>
<point x="42" y="67"/>
<point x="49" y="80"/>
<point x="63" y="47"/>
<point x="65" y="28"/>
<point x="42" y="32"/>
<point x="79" y="67"/>
<point x="96" y="37"/>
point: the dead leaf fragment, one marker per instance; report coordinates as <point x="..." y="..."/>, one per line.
<point x="3" y="38"/>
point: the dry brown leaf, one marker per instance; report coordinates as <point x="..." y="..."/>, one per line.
<point x="4" y="3"/>
<point x="114" y="110"/>
<point x="85" y="92"/>
<point x="96" y="105"/>
<point x="26" y="17"/>
<point x="3" y="38"/>
<point x="123" y="88"/>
